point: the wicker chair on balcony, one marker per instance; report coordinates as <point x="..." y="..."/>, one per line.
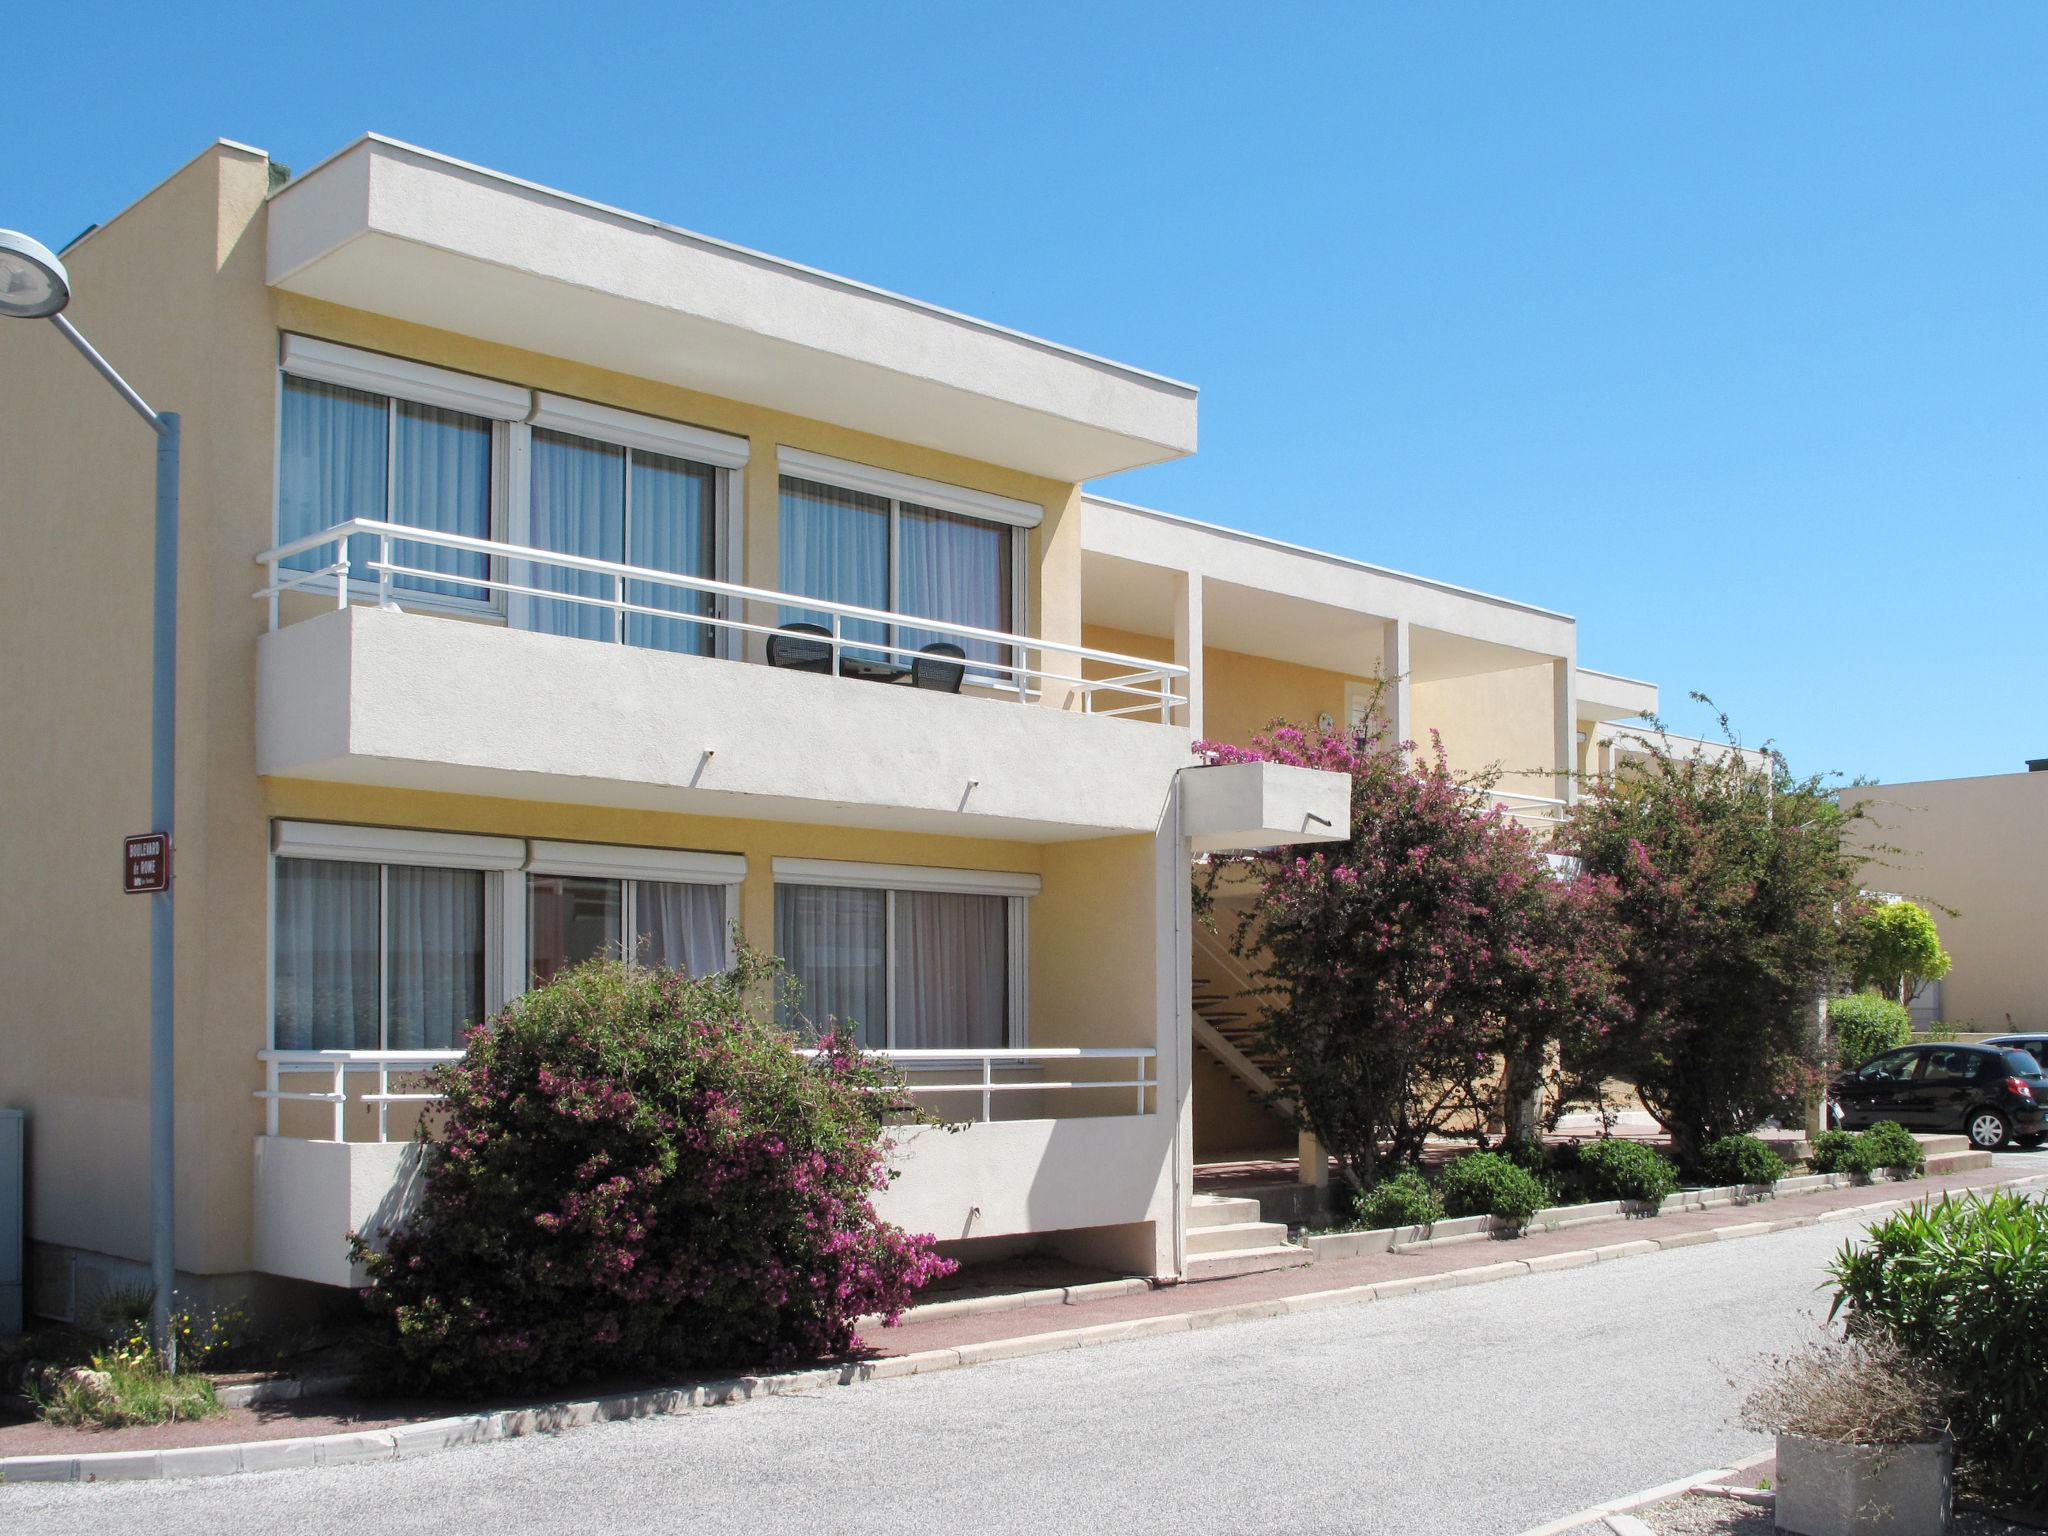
<point x="801" y="648"/>
<point x="940" y="667"/>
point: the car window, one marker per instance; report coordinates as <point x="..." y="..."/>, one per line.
<point x="1953" y="1066"/>
<point x="2026" y="1063"/>
<point x="1893" y="1067"/>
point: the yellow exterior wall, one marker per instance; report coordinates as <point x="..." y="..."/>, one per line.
<point x="173" y="292"/>
<point x="1240" y="693"/>
<point x="1980" y="847"/>
<point x="1493" y="718"/>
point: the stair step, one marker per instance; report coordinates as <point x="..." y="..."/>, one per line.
<point x="1957" y="1162"/>
<point x="1243" y="1261"/>
<point x="1237" y="1237"/>
<point x="1220" y="1211"/>
<point x="1932" y="1145"/>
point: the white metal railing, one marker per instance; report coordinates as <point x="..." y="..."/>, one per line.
<point x="335" y="1066"/>
<point x="1136" y="685"/>
<point x="985" y="1065"/>
<point x="987" y="1073"/>
<point x="1535" y="810"/>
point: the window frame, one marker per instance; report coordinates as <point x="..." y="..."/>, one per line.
<point x="1018" y="517"/>
<point x="894" y="879"/>
<point x="507" y="963"/>
<point x="513" y="411"/>
<point x="610" y="861"/>
<point x="403" y="381"/>
<point x="335" y="842"/>
<point x="606" y="426"/>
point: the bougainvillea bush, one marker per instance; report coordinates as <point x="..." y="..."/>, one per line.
<point x="636" y="1172"/>
<point x="1400" y="969"/>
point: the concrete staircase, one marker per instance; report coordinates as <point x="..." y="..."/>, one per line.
<point x="1227" y="1238"/>
<point x="1952" y="1154"/>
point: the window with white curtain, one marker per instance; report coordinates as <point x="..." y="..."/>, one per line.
<point x="902" y="968"/>
<point x="350" y="453"/>
<point x="375" y="956"/>
<point x="877" y="546"/>
<point x="627" y="505"/>
<point x="674" y="925"/>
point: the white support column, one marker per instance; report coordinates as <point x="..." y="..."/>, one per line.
<point x="1396" y="697"/>
<point x="1173" y="1038"/>
<point x="1564" y="687"/>
<point x="1187" y="647"/>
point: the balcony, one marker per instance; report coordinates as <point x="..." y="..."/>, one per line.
<point x="455" y="698"/>
<point x="1034" y="1140"/>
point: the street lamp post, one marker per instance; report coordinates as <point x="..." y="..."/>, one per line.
<point x="35" y="286"/>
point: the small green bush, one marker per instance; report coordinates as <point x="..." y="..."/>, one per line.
<point x="1487" y="1184"/>
<point x="1834" y="1152"/>
<point x="1625" y="1170"/>
<point x="1405" y="1200"/>
<point x="117" y="1391"/>
<point x="1891" y="1146"/>
<point x="1866" y="1025"/>
<point x="1743" y="1160"/>
<point x="1963" y="1286"/>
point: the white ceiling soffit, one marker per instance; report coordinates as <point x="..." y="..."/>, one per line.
<point x="1265" y="586"/>
<point x="1607" y="696"/>
<point x="399" y="231"/>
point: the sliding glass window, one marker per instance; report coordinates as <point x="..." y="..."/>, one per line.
<point x="902" y="970"/>
<point x="898" y="557"/>
<point x="376" y="956"/>
<point x="675" y="925"/>
<point x="347" y="453"/>
<point x="620" y="505"/>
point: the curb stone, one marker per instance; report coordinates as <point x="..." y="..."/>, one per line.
<point x="552" y="1418"/>
<point x="1622" y="1506"/>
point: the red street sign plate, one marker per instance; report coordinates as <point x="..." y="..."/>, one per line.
<point x="147" y="864"/>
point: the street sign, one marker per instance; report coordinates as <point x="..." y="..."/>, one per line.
<point x="147" y="864"/>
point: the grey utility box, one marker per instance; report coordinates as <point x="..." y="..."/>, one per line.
<point x="13" y="1217"/>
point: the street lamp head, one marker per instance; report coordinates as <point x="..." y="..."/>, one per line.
<point x="33" y="283"/>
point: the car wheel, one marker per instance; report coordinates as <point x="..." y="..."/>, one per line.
<point x="1988" y="1130"/>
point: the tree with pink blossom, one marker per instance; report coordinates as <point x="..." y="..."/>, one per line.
<point x="1406" y="971"/>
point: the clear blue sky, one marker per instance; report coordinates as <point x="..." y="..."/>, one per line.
<point x="1721" y="327"/>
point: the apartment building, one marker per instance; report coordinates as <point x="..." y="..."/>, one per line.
<point x="1975" y="851"/>
<point x="556" y="582"/>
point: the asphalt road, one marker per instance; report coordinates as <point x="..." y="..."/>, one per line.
<point x="1470" y="1412"/>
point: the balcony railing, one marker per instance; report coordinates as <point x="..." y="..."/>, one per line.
<point x="1540" y="811"/>
<point x="939" y="1078"/>
<point x="1128" y="685"/>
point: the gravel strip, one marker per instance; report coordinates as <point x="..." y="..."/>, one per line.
<point x="1701" y="1515"/>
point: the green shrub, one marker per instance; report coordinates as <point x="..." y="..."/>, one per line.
<point x="1835" y="1152"/>
<point x="639" y="1174"/>
<point x="1487" y="1184"/>
<point x="1963" y="1286"/>
<point x="1865" y="1025"/>
<point x="1743" y="1160"/>
<point x="1614" y="1169"/>
<point x="1891" y="1146"/>
<point x="118" y="1390"/>
<point x="1405" y="1200"/>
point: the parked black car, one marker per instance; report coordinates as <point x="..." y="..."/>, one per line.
<point x="1990" y="1093"/>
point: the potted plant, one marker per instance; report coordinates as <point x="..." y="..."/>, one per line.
<point x="1863" y="1439"/>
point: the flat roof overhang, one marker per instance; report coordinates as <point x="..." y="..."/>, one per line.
<point x="395" y="230"/>
<point x="1267" y="598"/>
<point x="1609" y="696"/>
